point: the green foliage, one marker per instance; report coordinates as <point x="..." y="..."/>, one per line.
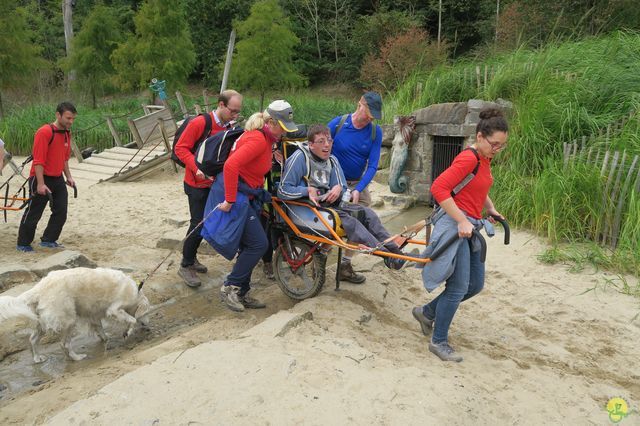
<point x="19" y="56"/>
<point x="265" y="52"/>
<point x="210" y="24"/>
<point x="161" y="47"/>
<point x="93" y="46"/>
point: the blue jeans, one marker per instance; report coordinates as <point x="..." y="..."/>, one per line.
<point x="253" y="244"/>
<point x="466" y="281"/>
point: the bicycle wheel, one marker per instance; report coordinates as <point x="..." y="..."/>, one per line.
<point x="307" y="280"/>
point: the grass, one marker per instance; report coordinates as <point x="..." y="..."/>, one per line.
<point x="90" y="128"/>
<point x="559" y="93"/>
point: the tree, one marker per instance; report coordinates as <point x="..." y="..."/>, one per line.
<point x="265" y="52"/>
<point x="67" y="19"/>
<point x="19" y="56"/>
<point x="161" y="47"/>
<point x="93" y="46"/>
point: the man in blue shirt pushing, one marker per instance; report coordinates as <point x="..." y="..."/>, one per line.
<point x="356" y="144"/>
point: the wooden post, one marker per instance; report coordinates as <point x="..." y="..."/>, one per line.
<point x="146" y="109"/>
<point x="76" y="151"/>
<point x="485" y="76"/>
<point x="197" y="108"/>
<point x="135" y="133"/>
<point x="615" y="231"/>
<point x="205" y="98"/>
<point x="183" y="106"/>
<point x="114" y="133"/>
<point x="165" y="139"/>
<point x="478" y="76"/>
<point x="227" y="62"/>
<point x="605" y="201"/>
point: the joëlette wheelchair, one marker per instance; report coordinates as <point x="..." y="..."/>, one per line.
<point x="303" y="234"/>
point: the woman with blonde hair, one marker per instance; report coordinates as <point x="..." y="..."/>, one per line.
<point x="249" y="161"/>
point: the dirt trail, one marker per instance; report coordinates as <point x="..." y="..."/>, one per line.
<point x="537" y="348"/>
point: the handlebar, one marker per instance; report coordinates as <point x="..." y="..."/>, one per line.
<point x="483" y="246"/>
<point x="505" y="226"/>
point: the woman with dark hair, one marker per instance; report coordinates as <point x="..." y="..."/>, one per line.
<point x="460" y="265"/>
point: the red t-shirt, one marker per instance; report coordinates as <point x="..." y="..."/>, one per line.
<point x="472" y="197"/>
<point x="185" y="144"/>
<point x="250" y="159"/>
<point x="52" y="156"/>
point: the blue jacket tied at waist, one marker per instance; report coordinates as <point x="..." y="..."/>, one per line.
<point x="223" y="230"/>
<point x="445" y="227"/>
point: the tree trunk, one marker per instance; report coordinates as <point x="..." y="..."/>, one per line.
<point x="1" y="107"/>
<point x="262" y="100"/>
<point x="67" y="19"/>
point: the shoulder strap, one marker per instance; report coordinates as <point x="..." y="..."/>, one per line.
<point x="53" y="133"/>
<point x="208" y="124"/>
<point x="339" y="126"/>
<point x="470" y="176"/>
<point x="307" y="164"/>
<point x="374" y="129"/>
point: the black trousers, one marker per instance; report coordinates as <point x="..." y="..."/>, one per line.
<point x="267" y="257"/>
<point x="35" y="208"/>
<point x="197" y="202"/>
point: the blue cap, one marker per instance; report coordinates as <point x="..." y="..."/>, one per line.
<point x="374" y="102"/>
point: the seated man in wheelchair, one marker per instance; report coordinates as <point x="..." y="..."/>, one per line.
<point x="312" y="172"/>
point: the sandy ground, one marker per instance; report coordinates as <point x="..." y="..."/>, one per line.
<point x="539" y="347"/>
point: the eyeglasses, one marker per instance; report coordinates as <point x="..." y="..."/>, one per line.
<point x="496" y="146"/>
<point x="233" y="111"/>
<point x="323" y="141"/>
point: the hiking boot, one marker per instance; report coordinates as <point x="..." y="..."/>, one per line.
<point x="426" y="324"/>
<point x="199" y="267"/>
<point x="25" y="249"/>
<point x="251" y="303"/>
<point x="348" y="274"/>
<point x="229" y="296"/>
<point x="267" y="268"/>
<point x="51" y="244"/>
<point x="444" y="352"/>
<point x="189" y="276"/>
<point x="394" y="263"/>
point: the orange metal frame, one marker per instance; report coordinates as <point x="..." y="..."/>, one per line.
<point x="12" y="201"/>
<point x="337" y="240"/>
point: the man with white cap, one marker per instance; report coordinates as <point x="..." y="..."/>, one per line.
<point x="356" y="144"/>
<point x="250" y="161"/>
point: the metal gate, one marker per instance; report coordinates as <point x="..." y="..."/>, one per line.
<point x="445" y="149"/>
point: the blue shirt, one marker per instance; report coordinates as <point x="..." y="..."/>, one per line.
<point x="357" y="153"/>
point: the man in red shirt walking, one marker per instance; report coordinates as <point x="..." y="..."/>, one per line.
<point x="51" y="151"/>
<point x="196" y="184"/>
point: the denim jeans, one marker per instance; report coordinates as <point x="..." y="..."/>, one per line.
<point x="466" y="281"/>
<point x="253" y="244"/>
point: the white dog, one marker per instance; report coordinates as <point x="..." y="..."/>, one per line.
<point x="65" y="298"/>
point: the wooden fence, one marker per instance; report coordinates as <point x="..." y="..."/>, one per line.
<point x="620" y="173"/>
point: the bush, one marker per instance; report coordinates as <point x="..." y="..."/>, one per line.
<point x="400" y="56"/>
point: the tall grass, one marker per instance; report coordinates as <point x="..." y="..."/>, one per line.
<point x="559" y="93"/>
<point x="90" y="128"/>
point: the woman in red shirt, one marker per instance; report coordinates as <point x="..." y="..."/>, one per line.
<point x="464" y="212"/>
<point x="250" y="160"/>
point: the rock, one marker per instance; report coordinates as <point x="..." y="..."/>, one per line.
<point x="385" y="158"/>
<point x="388" y="132"/>
<point x="64" y="260"/>
<point x="447" y="113"/>
<point x="172" y="240"/>
<point x="15" y="274"/>
<point x="402" y="202"/>
<point x="178" y="223"/>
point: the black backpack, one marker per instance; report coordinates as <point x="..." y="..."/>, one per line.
<point x="207" y="129"/>
<point x="214" y="151"/>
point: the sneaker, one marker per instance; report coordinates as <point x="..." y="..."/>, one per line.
<point x="394" y="263"/>
<point x="267" y="268"/>
<point x="251" y="303"/>
<point x="426" y="324"/>
<point x="26" y="249"/>
<point x="444" y="352"/>
<point x="189" y="276"/>
<point x="348" y="274"/>
<point x="50" y="244"/>
<point x="229" y="296"/>
<point x="199" y="267"/>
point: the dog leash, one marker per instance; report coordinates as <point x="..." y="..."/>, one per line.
<point x="178" y="245"/>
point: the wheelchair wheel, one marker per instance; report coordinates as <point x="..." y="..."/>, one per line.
<point x="308" y="279"/>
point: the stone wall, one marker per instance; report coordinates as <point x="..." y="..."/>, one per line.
<point x="457" y="119"/>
